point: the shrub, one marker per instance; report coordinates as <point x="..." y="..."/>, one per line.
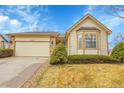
<point x="78" y="59"/>
<point x="6" y="53"/>
<point x="59" y="54"/>
<point x="118" y="52"/>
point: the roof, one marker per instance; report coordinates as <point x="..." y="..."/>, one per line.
<point x="4" y="39"/>
<point x="87" y="28"/>
<point x="82" y="19"/>
<point x="35" y="33"/>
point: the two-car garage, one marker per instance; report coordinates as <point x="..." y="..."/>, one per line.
<point x="33" y="43"/>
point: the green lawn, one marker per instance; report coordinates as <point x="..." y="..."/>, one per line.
<point x="83" y="76"/>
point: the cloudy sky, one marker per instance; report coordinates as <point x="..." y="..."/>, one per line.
<point x="54" y="18"/>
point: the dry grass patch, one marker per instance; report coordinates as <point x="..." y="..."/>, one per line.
<point x="83" y="76"/>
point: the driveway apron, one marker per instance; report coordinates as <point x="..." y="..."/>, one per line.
<point x="14" y="71"/>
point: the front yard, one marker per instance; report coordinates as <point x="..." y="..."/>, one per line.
<point x="83" y="76"/>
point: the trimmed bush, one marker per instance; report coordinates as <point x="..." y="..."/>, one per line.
<point x="59" y="54"/>
<point x="79" y="59"/>
<point x="118" y="52"/>
<point x="6" y="53"/>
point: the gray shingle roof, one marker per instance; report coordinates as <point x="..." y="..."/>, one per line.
<point x="35" y="33"/>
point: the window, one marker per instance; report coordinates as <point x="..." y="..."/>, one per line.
<point x="90" y="40"/>
<point x="80" y="41"/>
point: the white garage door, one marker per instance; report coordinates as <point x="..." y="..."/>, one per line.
<point x="32" y="49"/>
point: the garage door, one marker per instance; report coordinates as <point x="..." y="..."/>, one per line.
<point x="32" y="49"/>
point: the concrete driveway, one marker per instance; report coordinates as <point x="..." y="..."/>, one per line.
<point x="14" y="71"/>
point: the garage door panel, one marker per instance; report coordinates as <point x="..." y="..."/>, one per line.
<point x="32" y="49"/>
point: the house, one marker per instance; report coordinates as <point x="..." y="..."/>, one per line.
<point x="3" y="42"/>
<point x="33" y="43"/>
<point x="88" y="36"/>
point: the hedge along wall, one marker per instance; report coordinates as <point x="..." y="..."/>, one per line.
<point x="79" y="59"/>
<point x="6" y="53"/>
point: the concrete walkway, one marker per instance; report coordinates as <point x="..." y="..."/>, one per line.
<point x="14" y="71"/>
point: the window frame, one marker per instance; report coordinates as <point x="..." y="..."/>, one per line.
<point x="95" y="40"/>
<point x="83" y="33"/>
<point x="79" y="34"/>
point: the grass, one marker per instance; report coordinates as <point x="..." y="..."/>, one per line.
<point x="83" y="76"/>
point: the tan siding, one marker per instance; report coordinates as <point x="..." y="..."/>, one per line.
<point x="68" y="46"/>
<point x="73" y="46"/>
<point x="102" y="39"/>
<point x="99" y="42"/>
<point x="90" y="51"/>
<point x="32" y="38"/>
<point x="88" y="23"/>
<point x="80" y="52"/>
<point x="104" y="43"/>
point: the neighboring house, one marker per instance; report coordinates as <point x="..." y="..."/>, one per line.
<point x="33" y="43"/>
<point x="3" y="42"/>
<point x="88" y="36"/>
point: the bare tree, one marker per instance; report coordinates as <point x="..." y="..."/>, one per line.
<point x="113" y="10"/>
<point x="116" y="11"/>
<point x="118" y="38"/>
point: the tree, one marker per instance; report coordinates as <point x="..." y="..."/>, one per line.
<point x="117" y="11"/>
<point x="59" y="54"/>
<point x="113" y="10"/>
<point x="118" y="52"/>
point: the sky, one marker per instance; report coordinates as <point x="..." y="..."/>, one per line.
<point x="55" y="18"/>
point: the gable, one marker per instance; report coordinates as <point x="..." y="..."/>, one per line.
<point x="88" y="21"/>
